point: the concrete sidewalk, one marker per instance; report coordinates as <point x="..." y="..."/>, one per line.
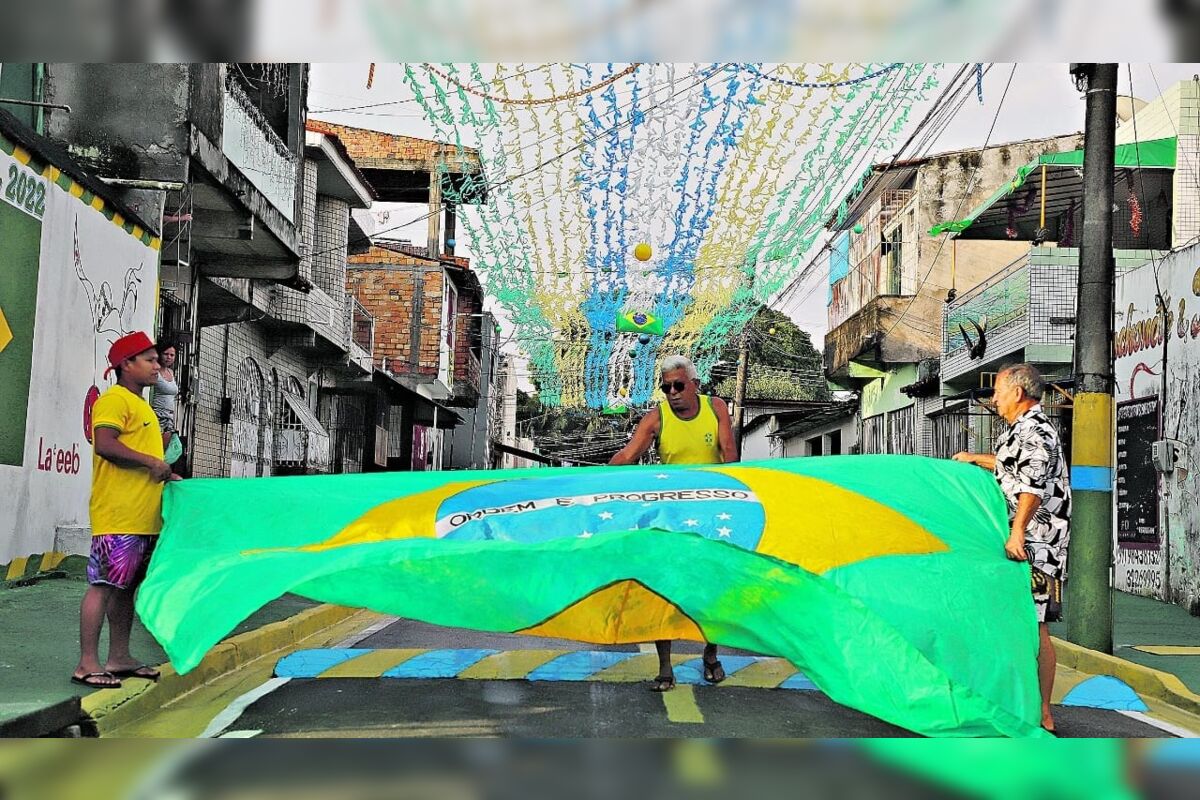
<point x="40" y="635"/>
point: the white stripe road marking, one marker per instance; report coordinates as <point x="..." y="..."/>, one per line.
<point x="1175" y="730"/>
<point x="234" y="710"/>
<point x="366" y="633"/>
<point x="240" y="735"/>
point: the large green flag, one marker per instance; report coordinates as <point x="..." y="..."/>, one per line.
<point x="882" y="578"/>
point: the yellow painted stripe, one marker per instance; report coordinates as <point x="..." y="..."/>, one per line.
<point x="52" y="172"/>
<point x="98" y="203"/>
<point x="51" y="560"/>
<point x="1168" y="649"/>
<point x="1066" y="679"/>
<point x="371" y="664"/>
<point x="1093" y="414"/>
<point x="681" y="705"/>
<point x="156" y="243"/>
<point x="137" y="231"/>
<point x="510" y="665"/>
<point x="118" y="220"/>
<point x="766" y="674"/>
<point x="639" y="668"/>
<point x="21" y="154"/>
<point x="16" y="568"/>
<point x="76" y="190"/>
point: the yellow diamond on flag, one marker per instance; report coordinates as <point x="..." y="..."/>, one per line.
<point x="6" y="334"/>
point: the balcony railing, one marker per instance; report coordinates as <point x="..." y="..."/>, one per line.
<point x="361" y="325"/>
<point x="253" y="147"/>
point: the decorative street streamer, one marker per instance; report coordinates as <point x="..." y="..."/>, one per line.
<point x="720" y="175"/>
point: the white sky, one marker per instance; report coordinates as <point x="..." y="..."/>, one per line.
<point x="1042" y="101"/>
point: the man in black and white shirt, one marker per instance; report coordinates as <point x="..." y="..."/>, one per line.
<point x="1032" y="471"/>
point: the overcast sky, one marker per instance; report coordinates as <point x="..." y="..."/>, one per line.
<point x="1042" y="101"/>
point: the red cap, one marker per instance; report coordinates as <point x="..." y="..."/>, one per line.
<point x="127" y="346"/>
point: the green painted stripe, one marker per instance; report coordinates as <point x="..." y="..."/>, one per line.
<point x="6" y="145"/>
<point x="681" y="705"/>
<point x="509" y="665"/>
<point x="371" y="664"/>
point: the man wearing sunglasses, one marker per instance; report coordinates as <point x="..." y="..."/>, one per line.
<point x="689" y="428"/>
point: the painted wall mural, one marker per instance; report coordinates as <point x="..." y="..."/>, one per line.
<point x="74" y="276"/>
<point x="1158" y="356"/>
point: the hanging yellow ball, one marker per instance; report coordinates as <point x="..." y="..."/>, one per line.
<point x="642" y="252"/>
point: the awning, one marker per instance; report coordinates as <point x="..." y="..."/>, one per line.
<point x="1061" y="170"/>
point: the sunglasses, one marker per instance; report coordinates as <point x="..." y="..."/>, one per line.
<point x="678" y="386"/>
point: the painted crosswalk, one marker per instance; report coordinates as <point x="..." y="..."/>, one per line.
<point x="532" y="665"/>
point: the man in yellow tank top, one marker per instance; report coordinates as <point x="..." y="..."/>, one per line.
<point x="689" y="428"/>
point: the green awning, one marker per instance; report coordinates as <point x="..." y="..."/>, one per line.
<point x="1154" y="154"/>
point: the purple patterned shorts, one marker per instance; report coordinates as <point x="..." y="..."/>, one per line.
<point x="120" y="559"/>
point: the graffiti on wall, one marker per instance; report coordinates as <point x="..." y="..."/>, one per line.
<point x="992" y="308"/>
<point x="1156" y="346"/>
<point x="112" y="317"/>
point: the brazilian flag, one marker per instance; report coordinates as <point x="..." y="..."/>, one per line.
<point x="882" y="578"/>
<point x="639" y="322"/>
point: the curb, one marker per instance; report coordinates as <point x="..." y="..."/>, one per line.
<point x="1145" y="680"/>
<point x="110" y="708"/>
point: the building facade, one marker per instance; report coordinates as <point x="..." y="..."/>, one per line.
<point x="889" y="280"/>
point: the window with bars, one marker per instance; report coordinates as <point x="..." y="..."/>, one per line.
<point x="873" y="434"/>
<point x="901" y="430"/>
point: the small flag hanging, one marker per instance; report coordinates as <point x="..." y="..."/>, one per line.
<point x="639" y="322"/>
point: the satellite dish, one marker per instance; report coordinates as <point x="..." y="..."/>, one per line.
<point x="1127" y="106"/>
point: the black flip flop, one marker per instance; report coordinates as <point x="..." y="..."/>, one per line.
<point x="89" y="681"/>
<point x="713" y="671"/>
<point x="663" y="684"/>
<point x="144" y="671"/>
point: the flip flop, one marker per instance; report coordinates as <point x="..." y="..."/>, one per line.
<point x="663" y="684"/>
<point x="141" y="671"/>
<point x="713" y="671"/>
<point x="89" y="680"/>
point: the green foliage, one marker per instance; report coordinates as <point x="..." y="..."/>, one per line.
<point x="784" y="365"/>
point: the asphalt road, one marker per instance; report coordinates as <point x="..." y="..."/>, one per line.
<point x="410" y="707"/>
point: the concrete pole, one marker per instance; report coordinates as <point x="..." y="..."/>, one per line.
<point x="434" y="243"/>
<point x="739" y="391"/>
<point x="1089" y="592"/>
<point x="449" y="235"/>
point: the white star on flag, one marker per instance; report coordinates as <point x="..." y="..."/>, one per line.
<point x="691" y="523"/>
<point x="724" y="532"/>
<point x="606" y="515"/>
<point x="724" y="516"/>
<point x="585" y="535"/>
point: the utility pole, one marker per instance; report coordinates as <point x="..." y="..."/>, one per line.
<point x="1089" y="591"/>
<point x="739" y="391"/>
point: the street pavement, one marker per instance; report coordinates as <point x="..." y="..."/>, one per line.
<point x="409" y="707"/>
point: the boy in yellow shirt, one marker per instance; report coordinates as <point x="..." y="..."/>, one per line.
<point x="128" y="473"/>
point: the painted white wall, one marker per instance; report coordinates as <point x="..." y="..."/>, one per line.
<point x="72" y="333"/>
<point x="1168" y="570"/>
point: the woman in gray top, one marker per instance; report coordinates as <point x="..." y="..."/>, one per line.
<point x="166" y="391"/>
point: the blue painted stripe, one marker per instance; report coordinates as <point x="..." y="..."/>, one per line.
<point x="691" y="671"/>
<point x="438" y="663"/>
<point x="311" y="663"/>
<point x="1105" y="691"/>
<point x="800" y="682"/>
<point x="577" y="666"/>
<point x="1091" y="479"/>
